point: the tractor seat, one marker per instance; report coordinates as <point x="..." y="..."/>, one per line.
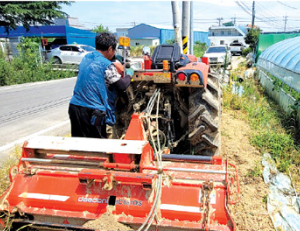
<point x="170" y="52"/>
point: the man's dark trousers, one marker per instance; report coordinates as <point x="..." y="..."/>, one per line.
<point x="81" y="123"/>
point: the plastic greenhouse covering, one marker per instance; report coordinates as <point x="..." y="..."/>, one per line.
<point x="267" y="40"/>
<point x="282" y="60"/>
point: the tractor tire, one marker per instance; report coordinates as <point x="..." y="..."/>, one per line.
<point x="205" y="118"/>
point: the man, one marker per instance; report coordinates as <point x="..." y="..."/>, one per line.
<point x="92" y="104"/>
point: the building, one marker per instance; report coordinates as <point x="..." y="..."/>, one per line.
<point x="224" y="35"/>
<point x="153" y="35"/>
<point x="65" y="33"/>
<point x="121" y="32"/>
<point x="70" y="21"/>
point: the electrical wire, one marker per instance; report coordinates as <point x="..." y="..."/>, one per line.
<point x="294" y="8"/>
<point x="268" y="17"/>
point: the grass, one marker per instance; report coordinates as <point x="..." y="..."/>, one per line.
<point x="273" y="130"/>
<point x="199" y="49"/>
<point x="138" y="50"/>
<point x="9" y="162"/>
<point x="256" y="171"/>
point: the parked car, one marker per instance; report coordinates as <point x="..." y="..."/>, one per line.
<point x="217" y="55"/>
<point x="55" y="43"/>
<point x="70" y="54"/>
<point x="236" y="48"/>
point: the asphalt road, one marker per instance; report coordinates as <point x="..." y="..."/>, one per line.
<point x="27" y="110"/>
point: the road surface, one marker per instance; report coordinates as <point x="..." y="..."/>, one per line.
<point x="32" y="109"/>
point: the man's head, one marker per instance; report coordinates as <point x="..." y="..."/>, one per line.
<point x="106" y="43"/>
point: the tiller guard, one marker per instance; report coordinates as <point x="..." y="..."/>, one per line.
<point x="63" y="182"/>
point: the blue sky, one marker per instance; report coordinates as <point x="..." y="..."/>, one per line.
<point x="118" y="14"/>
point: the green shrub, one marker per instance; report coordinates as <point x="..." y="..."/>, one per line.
<point x="199" y="49"/>
<point x="246" y="51"/>
<point x="27" y="67"/>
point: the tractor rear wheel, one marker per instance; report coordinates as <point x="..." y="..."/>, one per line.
<point x="205" y="118"/>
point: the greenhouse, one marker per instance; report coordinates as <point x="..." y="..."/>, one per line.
<point x="281" y="61"/>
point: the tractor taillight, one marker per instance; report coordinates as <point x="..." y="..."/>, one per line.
<point x="194" y="77"/>
<point x="181" y="76"/>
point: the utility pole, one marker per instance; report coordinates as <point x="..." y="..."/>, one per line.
<point x="176" y="23"/>
<point x="253" y="14"/>
<point x="285" y="21"/>
<point x="185" y="25"/>
<point x="219" y="19"/>
<point x="191" y="50"/>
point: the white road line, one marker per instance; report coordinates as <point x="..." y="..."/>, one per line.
<point x="16" y="86"/>
<point x="21" y="141"/>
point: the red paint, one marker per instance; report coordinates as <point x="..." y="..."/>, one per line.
<point x="197" y="66"/>
<point x="147" y="62"/>
<point x="64" y="192"/>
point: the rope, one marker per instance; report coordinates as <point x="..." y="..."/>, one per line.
<point x="148" y="111"/>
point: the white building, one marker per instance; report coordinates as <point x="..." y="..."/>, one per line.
<point x="121" y="32"/>
<point x="224" y="35"/>
<point x="70" y="21"/>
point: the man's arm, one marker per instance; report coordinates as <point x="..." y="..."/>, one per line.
<point x="123" y="83"/>
<point x="112" y="77"/>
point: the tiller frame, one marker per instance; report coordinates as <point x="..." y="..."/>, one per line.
<point x="63" y="182"/>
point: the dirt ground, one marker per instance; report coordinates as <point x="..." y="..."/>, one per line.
<point x="251" y="212"/>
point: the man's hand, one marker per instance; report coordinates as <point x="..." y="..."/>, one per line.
<point x="129" y="71"/>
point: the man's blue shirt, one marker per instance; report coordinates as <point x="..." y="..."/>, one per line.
<point x="90" y="90"/>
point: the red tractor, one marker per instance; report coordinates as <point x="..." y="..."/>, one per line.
<point x="189" y="102"/>
<point x="161" y="172"/>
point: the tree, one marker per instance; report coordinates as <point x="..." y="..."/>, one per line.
<point x="100" y="29"/>
<point x="228" y="24"/>
<point x="252" y="37"/>
<point x="15" y="13"/>
<point x="170" y="41"/>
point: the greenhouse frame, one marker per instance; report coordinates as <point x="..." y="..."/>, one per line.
<point x="282" y="61"/>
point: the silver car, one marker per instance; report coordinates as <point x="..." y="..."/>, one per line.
<point x="71" y="54"/>
<point x="217" y="55"/>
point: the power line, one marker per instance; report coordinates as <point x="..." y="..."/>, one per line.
<point x="288" y="5"/>
<point x="285" y="21"/>
<point x="259" y="11"/>
<point x="219" y="19"/>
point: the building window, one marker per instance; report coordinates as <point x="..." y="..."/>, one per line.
<point x="213" y="33"/>
<point x="221" y="42"/>
<point x="222" y="32"/>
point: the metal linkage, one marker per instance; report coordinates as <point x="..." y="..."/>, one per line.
<point x="207" y="188"/>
